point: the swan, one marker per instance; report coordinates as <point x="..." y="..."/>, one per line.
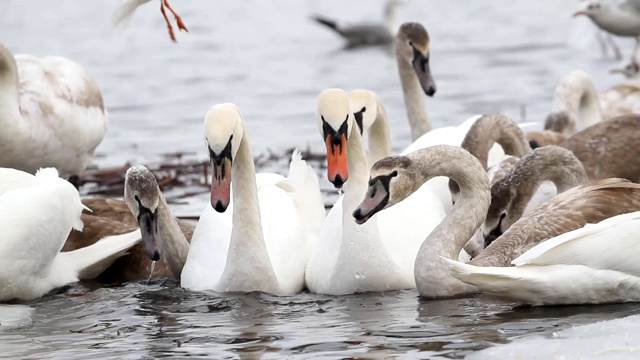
<point x="577" y="105"/>
<point x="523" y="187"/>
<point x="351" y="258"/>
<point x="124" y="13"/>
<point x="412" y="57"/>
<point x="394" y="178"/>
<point x="164" y="239"/>
<point x="595" y="264"/>
<point x="51" y="113"/>
<point x="368" y="33"/>
<point x="36" y="215"/>
<point x="260" y="242"/>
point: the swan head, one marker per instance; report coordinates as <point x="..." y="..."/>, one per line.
<point x="142" y="196"/>
<point x="412" y="46"/>
<point x="364" y="108"/>
<point x="392" y="180"/>
<point x="499" y="216"/>
<point x="223" y="131"/>
<point x="335" y="120"/>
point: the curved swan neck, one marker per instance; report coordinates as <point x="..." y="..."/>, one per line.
<point x="413" y="98"/>
<point x="495" y="128"/>
<point x="551" y="163"/>
<point x="173" y="240"/>
<point x="577" y="96"/>
<point x="248" y="255"/>
<point x="379" y="137"/>
<point x="467" y="215"/>
<point x="9" y="85"/>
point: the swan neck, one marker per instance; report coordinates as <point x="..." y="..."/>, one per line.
<point x="172" y="238"/>
<point x="379" y="137"/>
<point x="451" y="235"/>
<point x="491" y="129"/>
<point x="413" y="98"/>
<point x="248" y="253"/>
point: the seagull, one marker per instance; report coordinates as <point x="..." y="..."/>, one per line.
<point x="366" y="33"/>
<point x="621" y="19"/>
<point x="124" y="13"/>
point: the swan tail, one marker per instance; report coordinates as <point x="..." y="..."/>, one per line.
<point x="307" y="197"/>
<point x="124" y="13"/>
<point x="331" y="24"/>
<point x="90" y="261"/>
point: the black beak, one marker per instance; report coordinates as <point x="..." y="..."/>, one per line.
<point x="492" y="236"/>
<point x="421" y="67"/>
<point x="148" y="222"/>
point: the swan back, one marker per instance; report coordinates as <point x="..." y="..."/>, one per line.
<point x="608" y="149"/>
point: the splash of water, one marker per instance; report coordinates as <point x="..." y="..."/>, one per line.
<point x="153" y="265"/>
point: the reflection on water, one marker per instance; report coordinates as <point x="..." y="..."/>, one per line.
<point x="161" y="319"/>
<point x="271" y="60"/>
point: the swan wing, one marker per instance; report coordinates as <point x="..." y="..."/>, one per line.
<point x="610" y="244"/>
<point x="207" y="255"/>
<point x="307" y="194"/>
<point x="90" y="261"/>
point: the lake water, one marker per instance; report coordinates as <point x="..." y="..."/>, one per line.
<point x="271" y="60"/>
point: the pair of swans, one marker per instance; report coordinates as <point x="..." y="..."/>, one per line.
<point x="393" y="179"/>
<point x="51" y="112"/>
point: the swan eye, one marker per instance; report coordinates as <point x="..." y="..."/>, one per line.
<point x="364" y="108"/>
<point x="394" y="173"/>
<point x="410" y="44"/>
<point x="502" y="216"/>
<point x="136" y="198"/>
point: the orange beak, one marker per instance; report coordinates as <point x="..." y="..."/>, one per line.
<point x="337" y="171"/>
<point x="221" y="184"/>
<point x="578" y="13"/>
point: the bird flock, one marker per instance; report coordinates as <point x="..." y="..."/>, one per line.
<point x="540" y="217"/>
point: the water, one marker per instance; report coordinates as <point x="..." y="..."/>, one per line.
<point x="271" y="60"/>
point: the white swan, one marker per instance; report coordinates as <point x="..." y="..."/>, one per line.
<point x="378" y="256"/>
<point x="36" y="215"/>
<point x="412" y="56"/>
<point x="262" y="242"/>
<point x="592" y="265"/>
<point x="51" y="113"/>
<point x="123" y="15"/>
